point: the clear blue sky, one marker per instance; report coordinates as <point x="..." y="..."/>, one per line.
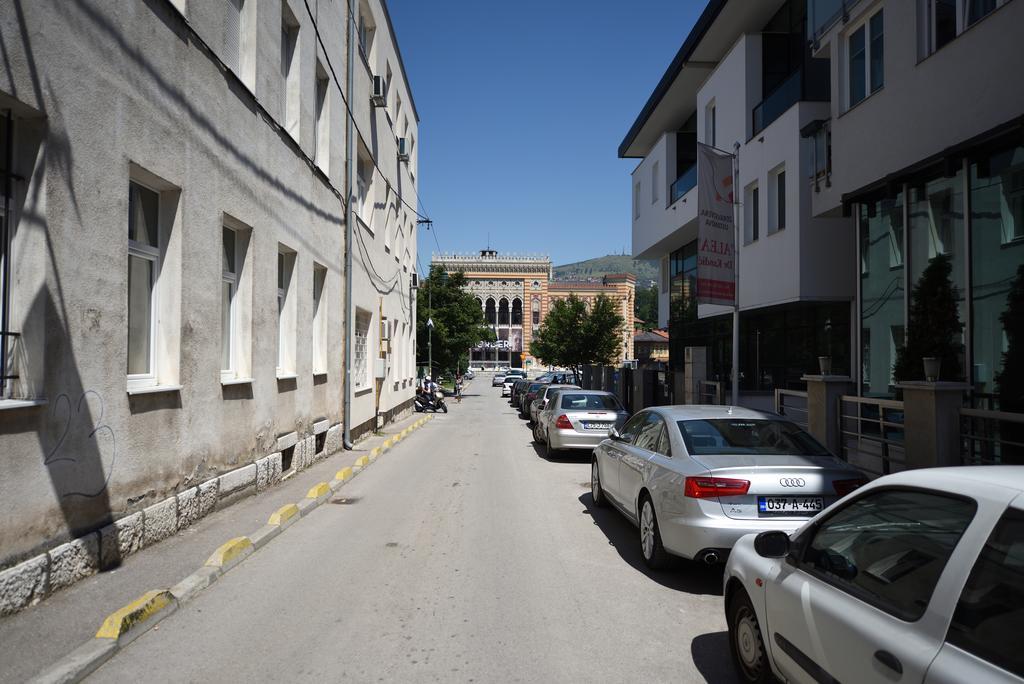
<point x="522" y="108"/>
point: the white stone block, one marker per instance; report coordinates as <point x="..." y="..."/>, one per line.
<point x="237" y="480"/>
<point x="120" y="539"/>
<point x="334" y="439"/>
<point x="321" y="426"/>
<point x="161" y="521"/>
<point x="23" y="584"/>
<point x="208" y="492"/>
<point x="188" y="507"/>
<point x="74" y="561"/>
<point x="285" y="441"/>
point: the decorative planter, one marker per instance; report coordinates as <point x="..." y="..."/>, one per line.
<point x="825" y="365"/>
<point x="932" y="366"/>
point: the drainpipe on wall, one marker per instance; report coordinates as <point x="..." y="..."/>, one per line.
<point x="350" y="162"/>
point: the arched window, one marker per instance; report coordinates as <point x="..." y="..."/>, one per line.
<point x="517" y="311"/>
<point x="503" y="312"/>
<point x="489" y="312"/>
<point x="536" y="310"/>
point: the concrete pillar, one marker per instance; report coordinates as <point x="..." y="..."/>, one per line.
<point x="931" y="420"/>
<point x="695" y="369"/>
<point x="823" y="392"/>
<point x="679" y="387"/>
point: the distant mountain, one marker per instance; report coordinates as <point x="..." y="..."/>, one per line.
<point x="646" y="272"/>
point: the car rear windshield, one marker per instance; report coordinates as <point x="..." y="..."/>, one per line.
<point x="746" y="436"/>
<point x="534" y="386"/>
<point x="592" y="402"/>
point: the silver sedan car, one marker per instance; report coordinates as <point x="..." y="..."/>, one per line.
<point x="578" y="419"/>
<point x="538" y="404"/>
<point x="695" y="479"/>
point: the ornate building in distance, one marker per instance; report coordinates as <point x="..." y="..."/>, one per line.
<point x="515" y="293"/>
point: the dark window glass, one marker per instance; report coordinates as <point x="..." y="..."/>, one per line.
<point x="748" y="436"/>
<point x="780" y="189"/>
<point x="650" y="434"/>
<point x="989" y="618"/>
<point x="889" y="548"/>
<point x="945" y="22"/>
<point x="632" y="427"/>
<point x="976" y="9"/>
<point x="589" y="402"/>
<point x="855" y="70"/>
<point x="877" y="52"/>
<point x="755" y="217"/>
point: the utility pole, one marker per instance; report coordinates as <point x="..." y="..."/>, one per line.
<point x="736" y="264"/>
<point x="430" y="329"/>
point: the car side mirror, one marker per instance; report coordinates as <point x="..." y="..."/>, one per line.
<point x="613" y="433"/>
<point x="773" y="544"/>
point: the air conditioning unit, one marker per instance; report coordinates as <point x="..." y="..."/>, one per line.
<point x="403" y="149"/>
<point x="380" y="91"/>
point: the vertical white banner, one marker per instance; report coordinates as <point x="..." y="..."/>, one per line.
<point x="716" y="231"/>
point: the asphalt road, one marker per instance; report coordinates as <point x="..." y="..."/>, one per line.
<point x="462" y="555"/>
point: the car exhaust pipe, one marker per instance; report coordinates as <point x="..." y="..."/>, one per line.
<point x="710" y="558"/>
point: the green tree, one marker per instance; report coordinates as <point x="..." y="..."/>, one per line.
<point x="934" y="328"/>
<point x="645" y="306"/>
<point x="572" y="336"/>
<point x="1010" y="380"/>
<point x="458" y="321"/>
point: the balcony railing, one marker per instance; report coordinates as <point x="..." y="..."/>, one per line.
<point x="687" y="181"/>
<point x="785" y="95"/>
<point x="823" y="14"/>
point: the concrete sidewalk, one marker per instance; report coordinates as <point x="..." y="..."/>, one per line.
<point x="40" y="635"/>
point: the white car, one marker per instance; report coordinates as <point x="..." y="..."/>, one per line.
<point x="916" y="577"/>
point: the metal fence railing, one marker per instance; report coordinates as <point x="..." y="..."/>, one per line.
<point x="793" y="405"/>
<point x="871" y="434"/>
<point x="991" y="437"/>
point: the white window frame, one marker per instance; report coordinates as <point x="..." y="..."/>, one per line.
<point x="322" y="121"/>
<point x="776" y="220"/>
<point x="710" y="124"/>
<point x="655" y="170"/>
<point x="291" y="107"/>
<point x="153" y="255"/>
<point x="636" y="199"/>
<point x="361" y="367"/>
<point x="927" y="23"/>
<point x="230" y="278"/>
<point x="286" y="324"/>
<point x="865" y="24"/>
<point x="319" y="319"/>
<point x="751" y="201"/>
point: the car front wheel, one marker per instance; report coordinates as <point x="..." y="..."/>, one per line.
<point x="745" y="642"/>
<point x="654" y="553"/>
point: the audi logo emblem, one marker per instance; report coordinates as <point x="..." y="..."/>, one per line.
<point x="792" y="482"/>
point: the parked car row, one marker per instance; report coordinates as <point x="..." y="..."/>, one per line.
<point x="914" y="577"/>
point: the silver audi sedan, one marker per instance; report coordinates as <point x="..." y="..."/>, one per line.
<point x="577" y="419"/>
<point x="695" y="479"/>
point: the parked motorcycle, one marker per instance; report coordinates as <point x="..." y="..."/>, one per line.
<point x="427" y="401"/>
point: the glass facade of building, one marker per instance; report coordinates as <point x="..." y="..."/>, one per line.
<point x="977" y="219"/>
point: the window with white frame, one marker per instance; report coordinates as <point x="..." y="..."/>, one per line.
<point x="751" y="214"/>
<point x="290" y="86"/>
<point x="229" y="296"/>
<point x="865" y="58"/>
<point x="364" y="187"/>
<point x="232" y="33"/>
<point x="322" y="127"/>
<point x="636" y="200"/>
<point x="710" y="124"/>
<point x="367" y="29"/>
<point x="655" y="169"/>
<point x="319" y="319"/>
<point x="941" y="21"/>
<point x="143" y="277"/>
<point x="286" y="315"/>
<point x="360" y="351"/>
<point x="777" y="199"/>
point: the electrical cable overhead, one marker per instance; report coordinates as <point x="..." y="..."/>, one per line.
<point x="348" y="108"/>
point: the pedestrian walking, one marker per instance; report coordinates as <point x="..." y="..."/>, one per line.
<point x="458" y="388"/>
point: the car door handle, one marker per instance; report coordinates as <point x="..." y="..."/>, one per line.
<point x="890" y="661"/>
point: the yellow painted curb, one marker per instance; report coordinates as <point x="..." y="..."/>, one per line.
<point x="387" y="443"/>
<point x="283" y="514"/>
<point x="120" y="621"/>
<point x="318" y="490"/>
<point x="362" y="462"/>
<point x="229" y="551"/>
<point x="375" y="452"/>
<point x="343" y="474"/>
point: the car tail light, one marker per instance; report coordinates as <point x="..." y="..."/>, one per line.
<point x="563" y="423"/>
<point x="714" y="487"/>
<point x="844" y="487"/>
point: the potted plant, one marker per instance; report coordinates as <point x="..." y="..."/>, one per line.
<point x="933" y="347"/>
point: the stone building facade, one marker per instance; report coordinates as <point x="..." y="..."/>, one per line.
<point x="516" y="292"/>
<point x="173" y="317"/>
